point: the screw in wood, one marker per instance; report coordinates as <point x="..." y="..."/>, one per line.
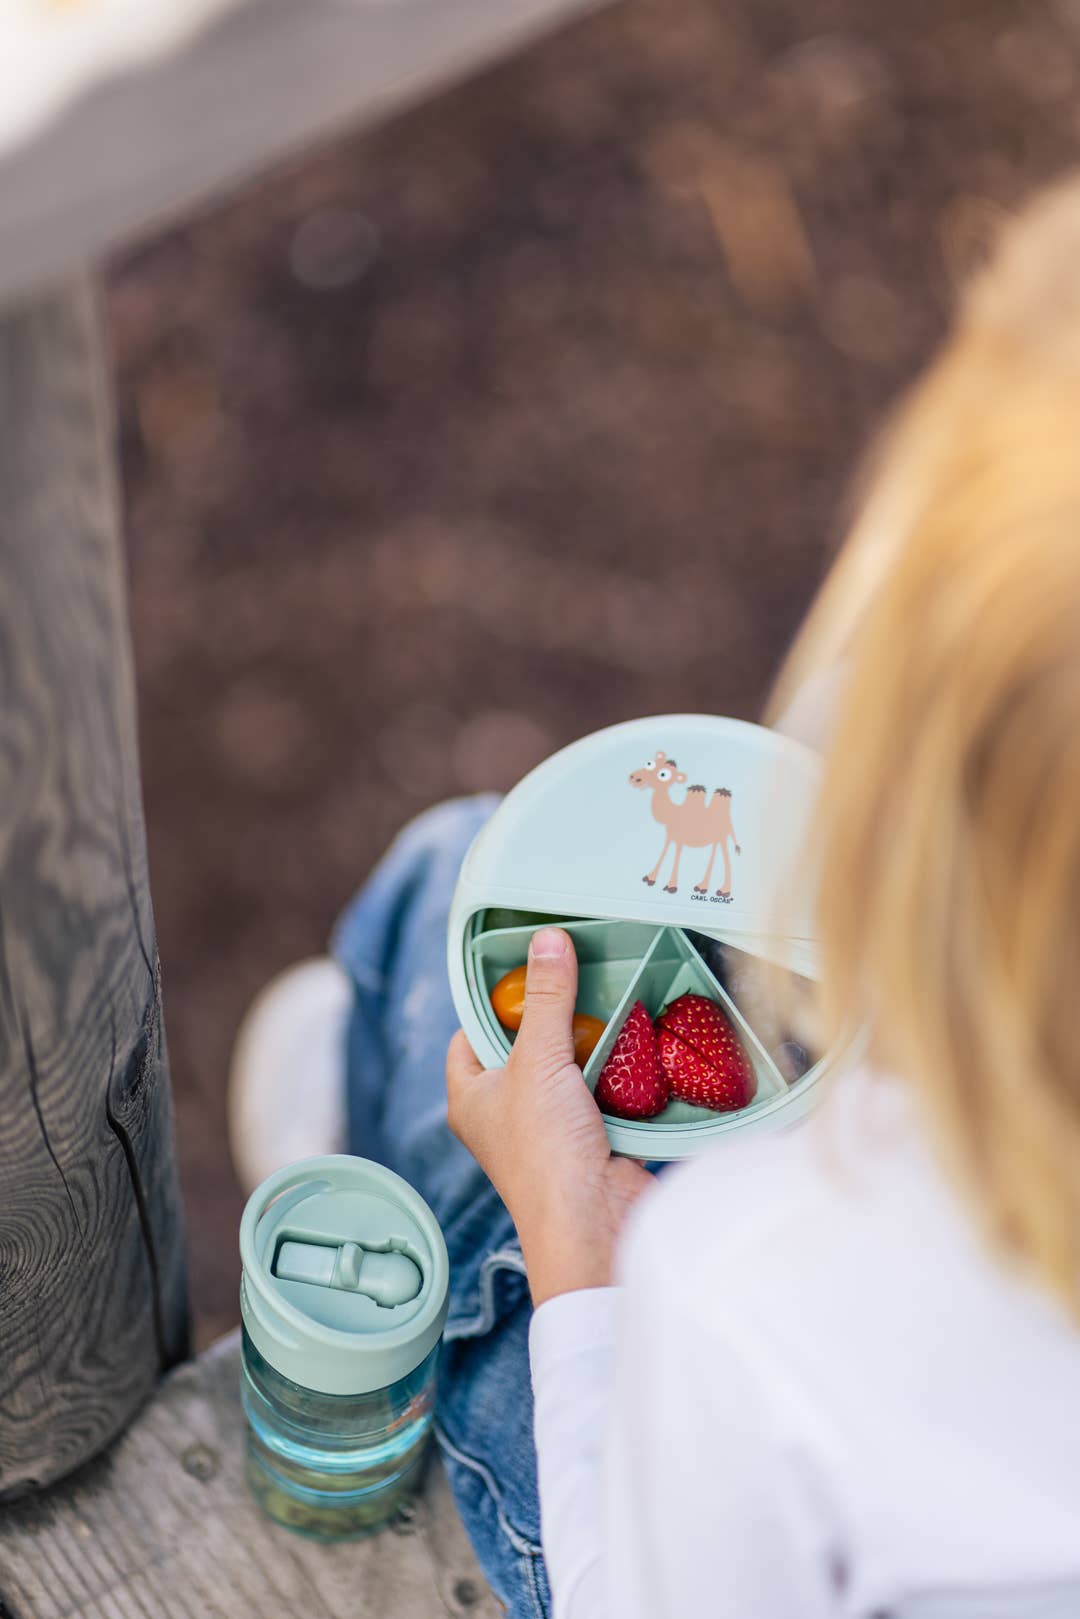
<point x="201" y="1462"/>
<point x="404" y="1521"/>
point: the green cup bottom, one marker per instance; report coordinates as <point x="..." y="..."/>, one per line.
<point x="294" y="1497"/>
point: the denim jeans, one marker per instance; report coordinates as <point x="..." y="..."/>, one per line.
<point x="392" y="941"/>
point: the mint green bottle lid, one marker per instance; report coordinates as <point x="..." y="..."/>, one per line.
<point x="345" y="1279"/>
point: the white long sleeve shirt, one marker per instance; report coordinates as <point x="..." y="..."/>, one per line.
<point x="814" y="1393"/>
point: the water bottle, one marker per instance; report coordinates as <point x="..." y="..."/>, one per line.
<point x="343" y="1298"/>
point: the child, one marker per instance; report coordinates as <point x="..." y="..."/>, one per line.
<point x="841" y="1374"/>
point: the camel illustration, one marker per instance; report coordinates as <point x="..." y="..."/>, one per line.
<point x="693" y="824"/>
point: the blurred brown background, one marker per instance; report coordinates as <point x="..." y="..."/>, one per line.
<point x="532" y="411"/>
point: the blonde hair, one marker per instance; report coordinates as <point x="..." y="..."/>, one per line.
<point x="948" y="826"/>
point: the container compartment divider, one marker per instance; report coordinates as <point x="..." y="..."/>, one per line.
<point x="609" y="955"/>
<point x="764" y="1066"/>
<point x="656" y="967"/>
<point x="781" y="1018"/>
<point x="673" y="968"/>
<point x="619" y="963"/>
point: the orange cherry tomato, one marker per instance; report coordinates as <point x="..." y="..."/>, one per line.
<point x="587" y="1032"/>
<point x="508" y="1004"/>
<point x="508" y="999"/>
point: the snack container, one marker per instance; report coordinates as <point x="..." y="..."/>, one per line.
<point x="343" y="1298"/>
<point x="672" y="850"/>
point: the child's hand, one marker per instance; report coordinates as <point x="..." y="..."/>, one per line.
<point x="535" y="1129"/>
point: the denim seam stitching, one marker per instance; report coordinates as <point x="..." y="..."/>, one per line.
<point x="483" y="1319"/>
<point x="538" y="1601"/>
<point x="519" y="1542"/>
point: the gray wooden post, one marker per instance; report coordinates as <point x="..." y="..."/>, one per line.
<point x="92" y="1298"/>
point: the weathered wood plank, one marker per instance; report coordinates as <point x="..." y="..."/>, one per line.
<point x="268" y="79"/>
<point x="162" y="1527"/>
<point x="91" y="1260"/>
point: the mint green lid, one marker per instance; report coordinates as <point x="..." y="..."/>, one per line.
<point x="345" y="1275"/>
<point x="641" y="858"/>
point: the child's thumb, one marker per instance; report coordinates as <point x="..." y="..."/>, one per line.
<point x="546" y="1037"/>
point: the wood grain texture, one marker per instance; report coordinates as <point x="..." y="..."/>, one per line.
<point x="162" y="1527"/>
<point x="92" y="1303"/>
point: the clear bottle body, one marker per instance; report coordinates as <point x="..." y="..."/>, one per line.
<point x="334" y="1466"/>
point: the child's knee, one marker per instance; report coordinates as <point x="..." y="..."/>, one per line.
<point x="449" y="826"/>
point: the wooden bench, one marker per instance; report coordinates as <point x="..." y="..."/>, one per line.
<point x="162" y="1527"/>
<point x="113" y="118"/>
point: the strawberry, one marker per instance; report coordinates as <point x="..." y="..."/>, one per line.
<point x="631" y="1083"/>
<point x="701" y="1055"/>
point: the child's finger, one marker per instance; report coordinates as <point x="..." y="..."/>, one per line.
<point x="462" y="1063"/>
<point x="546" y="1037"/>
<point x="471" y="1097"/>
